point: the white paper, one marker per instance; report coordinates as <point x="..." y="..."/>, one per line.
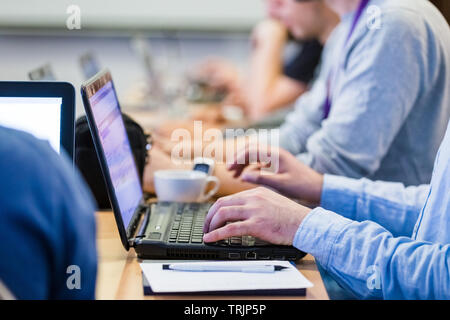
<point x="183" y="281"/>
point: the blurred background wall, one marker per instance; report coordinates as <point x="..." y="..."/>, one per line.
<point x="135" y="14"/>
<point x="180" y="33"/>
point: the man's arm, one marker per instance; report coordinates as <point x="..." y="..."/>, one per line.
<point x="304" y="120"/>
<point x="376" y="89"/>
<point x="266" y="88"/>
<point x="362" y="256"/>
<point x="369" y="261"/>
<point x="389" y="204"/>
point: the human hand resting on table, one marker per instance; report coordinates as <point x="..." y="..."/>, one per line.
<point x="258" y="212"/>
<point x="291" y="178"/>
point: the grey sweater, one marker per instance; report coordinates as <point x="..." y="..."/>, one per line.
<point x="390" y="97"/>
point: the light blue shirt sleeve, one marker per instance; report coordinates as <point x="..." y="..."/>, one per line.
<point x="366" y="243"/>
<point x="307" y="116"/>
<point x="389" y="204"/>
<point x="305" y="119"/>
<point x="369" y="261"/>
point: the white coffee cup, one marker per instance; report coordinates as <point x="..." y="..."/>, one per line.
<point x="184" y="185"/>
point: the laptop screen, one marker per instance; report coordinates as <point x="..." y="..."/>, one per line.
<point x="40" y="117"/>
<point x="117" y="150"/>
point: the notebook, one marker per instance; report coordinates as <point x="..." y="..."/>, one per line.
<point x="288" y="282"/>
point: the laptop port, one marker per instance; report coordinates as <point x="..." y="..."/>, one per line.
<point x="234" y="255"/>
<point x="250" y="255"/>
<point x="264" y="257"/>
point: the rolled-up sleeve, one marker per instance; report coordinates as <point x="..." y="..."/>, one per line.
<point x="362" y="236"/>
<point x="389" y="204"/>
<point x="369" y="261"/>
<point x="318" y="233"/>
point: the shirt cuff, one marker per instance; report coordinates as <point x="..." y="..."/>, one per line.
<point x="318" y="233"/>
<point x="339" y="195"/>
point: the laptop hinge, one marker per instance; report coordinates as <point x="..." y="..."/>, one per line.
<point x="141" y="225"/>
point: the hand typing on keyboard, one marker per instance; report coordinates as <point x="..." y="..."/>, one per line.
<point x="187" y="227"/>
<point x="259" y="213"/>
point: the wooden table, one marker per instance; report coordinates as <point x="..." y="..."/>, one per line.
<point x="119" y="274"/>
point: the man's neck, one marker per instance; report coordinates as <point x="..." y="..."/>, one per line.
<point x="332" y="21"/>
<point x="342" y="7"/>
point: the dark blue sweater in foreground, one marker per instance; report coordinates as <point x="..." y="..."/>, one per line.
<point x="47" y="222"/>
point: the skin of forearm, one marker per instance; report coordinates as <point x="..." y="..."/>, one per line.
<point x="265" y="68"/>
<point x="282" y="93"/>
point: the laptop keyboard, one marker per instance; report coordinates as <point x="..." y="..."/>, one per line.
<point x="187" y="227"/>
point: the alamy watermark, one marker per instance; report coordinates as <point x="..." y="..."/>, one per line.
<point x="373" y="281"/>
<point x="374" y="19"/>
<point x="74" y="279"/>
<point x="73" y="21"/>
<point x="223" y="147"/>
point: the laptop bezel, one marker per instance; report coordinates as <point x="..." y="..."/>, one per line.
<point x="98" y="81"/>
<point x="49" y="89"/>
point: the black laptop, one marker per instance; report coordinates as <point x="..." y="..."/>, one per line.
<point x="45" y="109"/>
<point x="162" y="230"/>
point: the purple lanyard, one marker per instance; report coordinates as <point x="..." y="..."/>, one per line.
<point x="359" y="12"/>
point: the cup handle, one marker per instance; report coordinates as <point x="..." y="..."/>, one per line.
<point x="216" y="182"/>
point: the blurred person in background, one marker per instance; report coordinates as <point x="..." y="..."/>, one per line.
<point x="382" y="96"/>
<point x="273" y="80"/>
<point x="310" y="20"/>
<point x="377" y="240"/>
<point x="392" y="226"/>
